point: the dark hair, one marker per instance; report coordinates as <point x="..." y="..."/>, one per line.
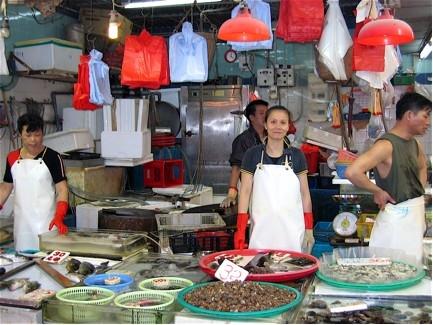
<point x="33" y="121"/>
<point x="251" y="107"/>
<point x="411" y="102"/>
<point x="278" y="108"/>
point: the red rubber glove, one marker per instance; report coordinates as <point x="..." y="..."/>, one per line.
<point x="241" y="224"/>
<point x="61" y="210"/>
<point x="308" y="220"/>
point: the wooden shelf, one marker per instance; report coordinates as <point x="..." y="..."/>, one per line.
<point x="55" y="76"/>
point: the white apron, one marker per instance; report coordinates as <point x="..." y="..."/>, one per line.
<point x="401" y="226"/>
<point x="276" y="208"/>
<point x="34" y="205"/>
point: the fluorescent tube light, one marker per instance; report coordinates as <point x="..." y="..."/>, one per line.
<point x="425" y="52"/>
<point x="162" y="3"/>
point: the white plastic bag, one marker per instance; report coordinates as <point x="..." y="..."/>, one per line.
<point x="188" y="56"/>
<point x="378" y="79"/>
<point x="335" y="41"/>
<point x="99" y="79"/>
<point x="4" y="71"/>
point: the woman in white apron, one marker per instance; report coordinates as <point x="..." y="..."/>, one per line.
<point x="41" y="192"/>
<point x="274" y="184"/>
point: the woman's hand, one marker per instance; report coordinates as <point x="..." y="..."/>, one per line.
<point x="308" y="243"/>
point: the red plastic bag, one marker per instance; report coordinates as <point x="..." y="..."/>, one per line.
<point x="300" y="20"/>
<point x="81" y="97"/>
<point x="367" y="58"/>
<point x="145" y="62"/>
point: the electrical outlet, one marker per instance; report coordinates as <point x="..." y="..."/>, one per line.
<point x="285" y="75"/>
<point x="265" y="77"/>
<point x="273" y="92"/>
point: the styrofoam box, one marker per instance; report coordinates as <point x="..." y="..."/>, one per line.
<point x="118" y="144"/>
<point x="48" y="54"/>
<point x="69" y="140"/>
<point x="87" y="213"/>
<point x="77" y="119"/>
<point x="318" y="135"/>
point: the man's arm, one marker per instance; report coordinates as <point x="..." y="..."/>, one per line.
<point x="235" y="174"/>
<point x="422" y="165"/>
<point x="232" y="191"/>
<point x="5" y="191"/>
<point x="356" y="172"/>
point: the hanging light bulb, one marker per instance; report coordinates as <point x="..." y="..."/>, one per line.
<point x="113" y="25"/>
<point x="385" y="30"/>
<point x="244" y="28"/>
<point x="4" y="29"/>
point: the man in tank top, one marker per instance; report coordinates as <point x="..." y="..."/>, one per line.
<point x="400" y="171"/>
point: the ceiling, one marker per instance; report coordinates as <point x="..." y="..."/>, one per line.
<point x="163" y="21"/>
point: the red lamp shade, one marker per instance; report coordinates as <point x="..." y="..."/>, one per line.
<point x="386" y="31"/>
<point x="244" y="28"/>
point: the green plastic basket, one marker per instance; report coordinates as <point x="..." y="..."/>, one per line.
<point x="372" y="286"/>
<point x="146" y="314"/>
<point x="239" y="315"/>
<point x="81" y="311"/>
<point x="147" y="285"/>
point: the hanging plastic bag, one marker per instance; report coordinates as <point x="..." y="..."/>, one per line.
<point x="188" y="56"/>
<point x="375" y="126"/>
<point x="378" y="79"/>
<point x="4" y="71"/>
<point x="366" y="58"/>
<point x="99" y="79"/>
<point x="81" y="97"/>
<point x="145" y="62"/>
<point x="300" y="20"/>
<point x="259" y="10"/>
<point x="335" y="42"/>
<point x="336" y="116"/>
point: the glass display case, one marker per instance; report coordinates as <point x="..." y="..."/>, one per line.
<point x="6" y="231"/>
<point x="110" y="244"/>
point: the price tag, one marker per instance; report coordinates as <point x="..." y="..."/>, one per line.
<point x="56" y="257"/>
<point x="364" y="261"/>
<point x="348" y="306"/>
<point x="228" y="272"/>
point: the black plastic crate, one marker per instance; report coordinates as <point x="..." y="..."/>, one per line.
<point x="190" y="242"/>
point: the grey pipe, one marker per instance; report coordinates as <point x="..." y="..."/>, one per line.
<point x="53" y="95"/>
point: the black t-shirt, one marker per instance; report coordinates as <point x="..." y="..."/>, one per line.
<point x="253" y="156"/>
<point x="241" y="144"/>
<point x="50" y="157"/>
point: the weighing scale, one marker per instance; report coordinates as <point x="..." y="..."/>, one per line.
<point x="344" y="223"/>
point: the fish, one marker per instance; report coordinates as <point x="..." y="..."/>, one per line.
<point x="86" y="268"/>
<point x="74" y="277"/>
<point x="101" y="268"/>
<point x="72" y="265"/>
<point x="15" y="284"/>
<point x="30" y="286"/>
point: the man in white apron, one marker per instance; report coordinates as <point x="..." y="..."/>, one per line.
<point x="400" y="171"/>
<point x="37" y="176"/>
<point x="274" y="181"/>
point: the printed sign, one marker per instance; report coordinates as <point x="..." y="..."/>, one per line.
<point x="228" y="272"/>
